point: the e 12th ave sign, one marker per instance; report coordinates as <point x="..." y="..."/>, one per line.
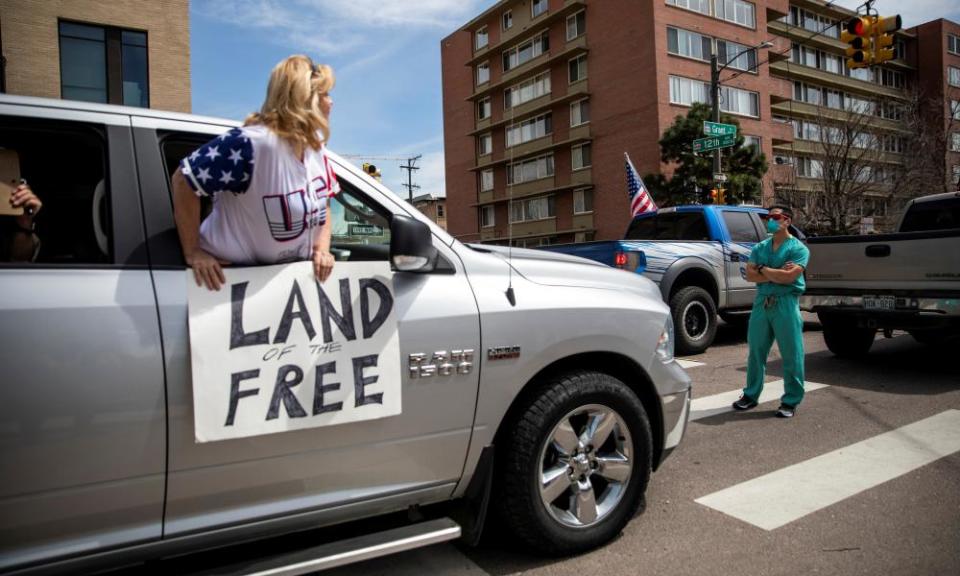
<point x="717" y="129"/>
<point x="704" y="144"/>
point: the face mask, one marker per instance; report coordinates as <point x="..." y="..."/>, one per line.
<point x="772" y="226"/>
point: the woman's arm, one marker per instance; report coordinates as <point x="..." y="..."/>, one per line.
<point x="186" y="212"/>
<point x="322" y="258"/>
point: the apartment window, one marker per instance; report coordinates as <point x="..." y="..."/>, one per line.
<point x="834" y="99"/>
<point x="806" y="93"/>
<point x="481" y="38"/>
<point x="701" y="6"/>
<point x="529" y="130"/>
<point x="486" y="217"/>
<point x="578" y="68"/>
<point x="507" y="20"/>
<point x="584" y="237"/>
<point x="745" y="61"/>
<point x="956" y="174"/>
<point x="896" y="144"/>
<point x="439" y="210"/>
<point x="483" y="73"/>
<point x="580" y="156"/>
<point x="752" y="141"/>
<point x="955" y="109"/>
<point x="576" y="25"/>
<point x="737" y="11"/>
<point x="529" y="170"/>
<point x="955" y="142"/>
<point x="894" y="79"/>
<point x="953" y="75"/>
<point x="858" y="105"/>
<point x="809" y="167"/>
<point x="953" y="43"/>
<point x="889" y="110"/>
<point x="579" y="112"/>
<point x="483" y="108"/>
<point x="864" y="74"/>
<point x="90" y="72"/>
<point x="486" y="180"/>
<point x="526" y="91"/>
<point x="532" y="209"/>
<point x="484" y="144"/>
<point x="582" y="201"/>
<point x="689" y="44"/>
<point x="832" y="63"/>
<point x="538" y="7"/>
<point x="806" y="130"/>
<point x="526" y="51"/>
<point x="736" y="101"/>
<point x="685" y="91"/>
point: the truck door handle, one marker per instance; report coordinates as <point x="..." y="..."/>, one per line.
<point x="878" y="251"/>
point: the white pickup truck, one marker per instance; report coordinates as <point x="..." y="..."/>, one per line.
<point x="909" y="280"/>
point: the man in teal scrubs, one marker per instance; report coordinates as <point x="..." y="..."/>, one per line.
<point x="777" y="266"/>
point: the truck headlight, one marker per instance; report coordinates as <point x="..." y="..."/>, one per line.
<point x="665" y="344"/>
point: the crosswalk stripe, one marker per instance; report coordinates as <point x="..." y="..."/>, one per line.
<point x="790" y="493"/>
<point x="685" y="364"/>
<point x="721" y="403"/>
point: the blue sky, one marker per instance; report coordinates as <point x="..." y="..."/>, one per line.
<point x="386" y="54"/>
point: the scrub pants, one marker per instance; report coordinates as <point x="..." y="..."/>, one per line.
<point x="782" y="321"/>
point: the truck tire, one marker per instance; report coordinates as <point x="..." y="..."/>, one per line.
<point x="844" y="338"/>
<point x="576" y="462"/>
<point x="694" y="319"/>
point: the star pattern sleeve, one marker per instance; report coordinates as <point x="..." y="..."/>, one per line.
<point x="224" y="164"/>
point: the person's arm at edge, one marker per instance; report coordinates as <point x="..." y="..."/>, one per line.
<point x="186" y="213"/>
<point x="322" y="258"/>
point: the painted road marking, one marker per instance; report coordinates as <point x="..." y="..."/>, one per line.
<point x="721" y="403"/>
<point x="685" y="364"/>
<point x="790" y="493"/>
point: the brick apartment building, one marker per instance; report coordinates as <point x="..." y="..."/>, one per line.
<point x="119" y="51"/>
<point x="543" y="97"/>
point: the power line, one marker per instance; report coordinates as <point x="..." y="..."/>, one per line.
<point x="410" y="166"/>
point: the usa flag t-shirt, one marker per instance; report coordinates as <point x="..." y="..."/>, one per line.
<point x="267" y="204"/>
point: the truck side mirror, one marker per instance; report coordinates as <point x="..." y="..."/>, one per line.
<point x="411" y="245"/>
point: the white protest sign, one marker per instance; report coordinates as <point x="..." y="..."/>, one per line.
<point x="273" y="350"/>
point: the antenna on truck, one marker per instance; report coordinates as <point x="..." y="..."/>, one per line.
<point x="511" y="297"/>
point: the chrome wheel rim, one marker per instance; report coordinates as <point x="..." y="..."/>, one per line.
<point x="585" y="466"/>
<point x="695" y="320"/>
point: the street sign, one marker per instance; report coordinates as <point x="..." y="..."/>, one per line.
<point x="704" y="144"/>
<point x="717" y="129"/>
<point x="720" y="177"/>
<point x="365" y="230"/>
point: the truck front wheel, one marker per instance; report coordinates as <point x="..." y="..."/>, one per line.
<point x="844" y="338"/>
<point x="694" y="319"/>
<point x="576" y="463"/>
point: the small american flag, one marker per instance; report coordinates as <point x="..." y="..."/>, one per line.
<point x="640" y="200"/>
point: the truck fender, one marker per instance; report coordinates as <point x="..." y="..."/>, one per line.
<point x="684" y="265"/>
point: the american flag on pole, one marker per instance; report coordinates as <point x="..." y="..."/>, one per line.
<point x="640" y="200"/>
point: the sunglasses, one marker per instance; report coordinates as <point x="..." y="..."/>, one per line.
<point x="775" y="217"/>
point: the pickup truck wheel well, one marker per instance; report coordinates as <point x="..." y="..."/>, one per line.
<point x="620" y="367"/>
<point x="695" y="277"/>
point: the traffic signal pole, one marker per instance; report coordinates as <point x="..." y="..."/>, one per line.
<point x="715" y="102"/>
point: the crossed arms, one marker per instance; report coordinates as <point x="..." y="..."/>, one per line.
<point x="785" y="275"/>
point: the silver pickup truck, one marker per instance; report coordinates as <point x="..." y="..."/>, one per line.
<point x="572" y="399"/>
<point x="909" y="280"/>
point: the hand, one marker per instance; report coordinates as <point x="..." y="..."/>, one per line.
<point x="789" y="266"/>
<point x="322" y="264"/>
<point x="23" y="197"/>
<point x="207" y="269"/>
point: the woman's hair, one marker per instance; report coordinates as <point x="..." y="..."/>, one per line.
<point x="292" y="107"/>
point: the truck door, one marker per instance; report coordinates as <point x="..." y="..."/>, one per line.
<point x="82" y="414"/>
<point x="326" y="473"/>
<point x="741" y="235"/>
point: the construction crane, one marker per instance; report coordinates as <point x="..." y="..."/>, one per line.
<point x="372" y="170"/>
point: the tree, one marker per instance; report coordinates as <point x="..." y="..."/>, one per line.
<point x="693" y="173"/>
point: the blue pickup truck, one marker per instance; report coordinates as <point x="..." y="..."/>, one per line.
<point x="697" y="255"/>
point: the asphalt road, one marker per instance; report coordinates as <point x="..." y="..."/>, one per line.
<point x="899" y="401"/>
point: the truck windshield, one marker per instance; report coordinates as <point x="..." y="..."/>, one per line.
<point x="669" y="226"/>
<point x="934" y="215"/>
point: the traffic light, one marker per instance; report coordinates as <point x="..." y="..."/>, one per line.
<point x="371" y="170"/>
<point x="883" y="39"/>
<point x="857" y="34"/>
<point x="715" y="196"/>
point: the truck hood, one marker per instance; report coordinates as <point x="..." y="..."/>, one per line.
<point x="556" y="269"/>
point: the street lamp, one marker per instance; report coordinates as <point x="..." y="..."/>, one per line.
<point x="715" y="88"/>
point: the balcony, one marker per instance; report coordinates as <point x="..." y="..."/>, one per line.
<point x="532" y="29"/>
<point x="533" y="67"/>
<point x="794" y="109"/>
<point x="813" y="148"/>
<point x="536" y="107"/>
<point x="538" y="147"/>
<point x="834" y="81"/>
<point x="529" y="190"/>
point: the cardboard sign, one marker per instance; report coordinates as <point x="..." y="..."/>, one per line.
<point x="9" y="180"/>
<point x="274" y="350"/>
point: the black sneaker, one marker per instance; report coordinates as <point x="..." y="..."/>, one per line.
<point x="744" y="403"/>
<point x="786" y="411"/>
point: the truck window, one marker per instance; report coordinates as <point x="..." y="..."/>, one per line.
<point x="642" y="228"/>
<point x="65" y="165"/>
<point x="934" y="215"/>
<point x="740" y="226"/>
<point x="682" y="226"/>
<point x="360" y="230"/>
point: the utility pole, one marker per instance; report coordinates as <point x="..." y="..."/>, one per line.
<point x="410" y="166"/>
<point x="715" y="102"/>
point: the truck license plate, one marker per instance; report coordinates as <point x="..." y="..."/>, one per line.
<point x="880" y="302"/>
